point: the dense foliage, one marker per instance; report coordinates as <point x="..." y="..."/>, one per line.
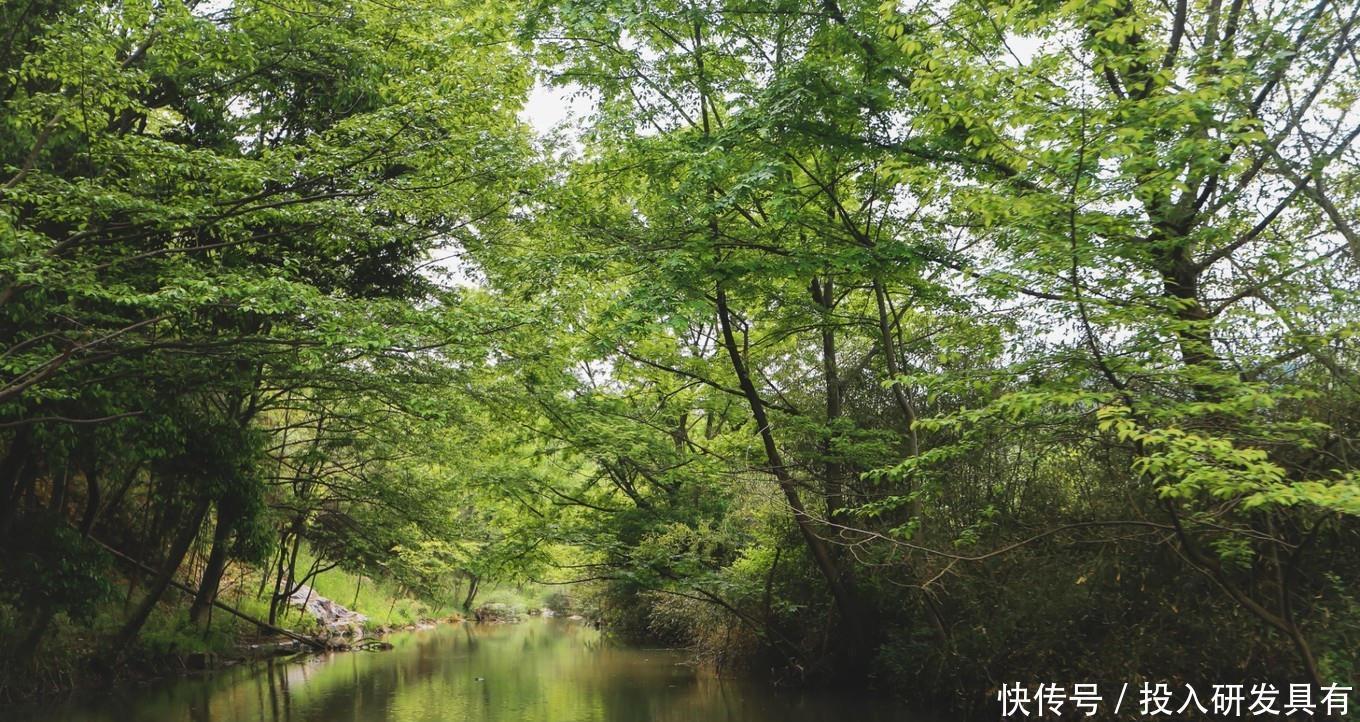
<point x="223" y="320"/>
<point x="926" y="344"/>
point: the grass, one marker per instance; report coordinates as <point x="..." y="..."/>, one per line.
<point x="379" y="600"/>
<point x="168" y="635"/>
<point x="168" y="631"/>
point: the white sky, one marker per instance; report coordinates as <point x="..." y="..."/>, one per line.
<point x="555" y="113"/>
<point x="550" y="107"/>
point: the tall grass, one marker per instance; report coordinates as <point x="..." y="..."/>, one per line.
<point x="378" y="599"/>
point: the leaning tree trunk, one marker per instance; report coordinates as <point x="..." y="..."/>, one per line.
<point x="473" y="581"/>
<point x="816" y="545"/>
<point x="178" y="551"/>
<point x="216" y="566"/>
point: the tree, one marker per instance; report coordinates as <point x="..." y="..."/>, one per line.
<point x="208" y="212"/>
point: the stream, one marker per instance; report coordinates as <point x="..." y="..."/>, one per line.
<point x="541" y="670"/>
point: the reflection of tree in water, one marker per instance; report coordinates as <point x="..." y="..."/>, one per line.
<point x="200" y="707"/>
<point x="548" y="670"/>
<point x="280" y="703"/>
<point x="373" y="685"/>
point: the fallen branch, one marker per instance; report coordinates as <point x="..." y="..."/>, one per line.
<point x="309" y="641"/>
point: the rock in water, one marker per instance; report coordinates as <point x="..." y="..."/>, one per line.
<point x="496" y="612"/>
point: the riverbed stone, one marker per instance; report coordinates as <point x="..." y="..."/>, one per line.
<point x="341" y="626"/>
<point x="496" y="612"/>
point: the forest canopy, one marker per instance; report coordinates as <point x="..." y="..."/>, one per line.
<point x="912" y="344"/>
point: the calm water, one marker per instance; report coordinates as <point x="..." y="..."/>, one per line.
<point x="543" y="670"/>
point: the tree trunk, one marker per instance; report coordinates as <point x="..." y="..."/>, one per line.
<point x="27" y="647"/>
<point x="904" y="403"/>
<point x="473" y="581"/>
<point x="1181" y="283"/>
<point x="93" y="501"/>
<point x="16" y="475"/>
<point x="165" y="576"/>
<point x="821" y="554"/>
<point x="283" y="583"/>
<point x="216" y="565"/>
<point x="834" y="484"/>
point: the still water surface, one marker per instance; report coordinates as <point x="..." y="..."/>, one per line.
<point x="543" y="670"/>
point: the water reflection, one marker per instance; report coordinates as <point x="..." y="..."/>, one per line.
<point x="539" y="671"/>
